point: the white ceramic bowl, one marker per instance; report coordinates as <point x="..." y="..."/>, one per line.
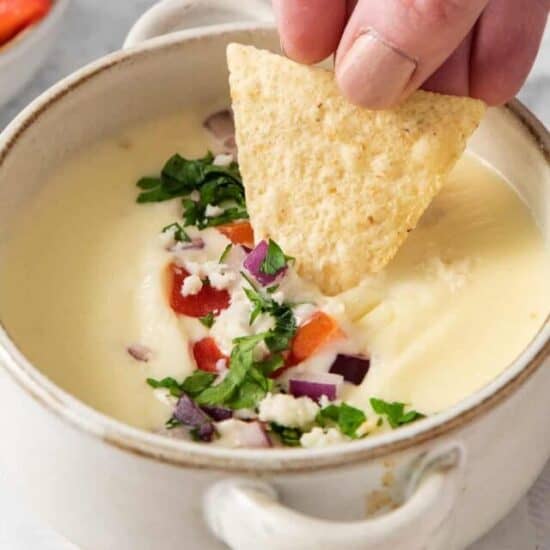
<point x="106" y="485"/>
<point x="22" y="57"/>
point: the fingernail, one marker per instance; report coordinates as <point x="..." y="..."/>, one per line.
<point x="374" y="73"/>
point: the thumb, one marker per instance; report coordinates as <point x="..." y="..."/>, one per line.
<point x="390" y="48"/>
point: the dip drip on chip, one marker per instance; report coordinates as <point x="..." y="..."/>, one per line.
<point x="338" y="186"/>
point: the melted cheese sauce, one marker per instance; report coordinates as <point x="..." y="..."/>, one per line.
<point x="82" y="280"/>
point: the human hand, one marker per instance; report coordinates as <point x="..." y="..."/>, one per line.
<point x="386" y="49"/>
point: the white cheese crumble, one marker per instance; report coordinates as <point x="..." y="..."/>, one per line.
<point x="191" y="285"/>
<point x="221" y="281"/>
<point x="194" y="195"/>
<point x="221" y="364"/>
<point x="303" y="312"/>
<point x="213" y="211"/>
<point x="223" y="159"/>
<point x="287" y="410"/>
<point x="318" y="438"/>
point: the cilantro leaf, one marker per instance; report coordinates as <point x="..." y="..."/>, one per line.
<point x="279" y="337"/>
<point x="158" y="194"/>
<point x="149" y="183"/>
<point x="347" y="418"/>
<point x="288" y="436"/>
<point x="217" y="185"/>
<point x="240" y="363"/>
<point x="197" y="382"/>
<point x="172" y="423"/>
<point x="271" y="364"/>
<point x="275" y="259"/>
<point x="180" y="235"/>
<point x="394" y="412"/>
<point x="225" y="253"/>
<point x="228" y="215"/>
<point x="247" y="395"/>
<point x="181" y="175"/>
<point x="208" y="320"/>
<point x="168" y="383"/>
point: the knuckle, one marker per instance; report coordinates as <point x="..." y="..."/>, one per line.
<point x="438" y="12"/>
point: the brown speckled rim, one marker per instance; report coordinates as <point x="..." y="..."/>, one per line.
<point x="191" y="455"/>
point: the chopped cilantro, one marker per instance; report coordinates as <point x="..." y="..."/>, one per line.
<point x="346" y="417"/>
<point x="272" y="289"/>
<point x="279" y="337"/>
<point x="275" y="259"/>
<point x="288" y="436"/>
<point x="197" y="382"/>
<point x="192" y="385"/>
<point x="180" y="234"/>
<point x="172" y="423"/>
<point x="241" y="362"/>
<point x="168" y="383"/>
<point x="208" y="320"/>
<point x="217" y="185"/>
<point x="271" y="364"/>
<point x="148" y="183"/>
<point x="225" y="253"/>
<point x="394" y="412"/>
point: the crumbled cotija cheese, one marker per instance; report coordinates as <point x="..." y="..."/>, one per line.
<point x="191" y="285"/>
<point x="213" y="211"/>
<point x="223" y="160"/>
<point x="318" y="437"/>
<point x="221" y="281"/>
<point x="287" y="410"/>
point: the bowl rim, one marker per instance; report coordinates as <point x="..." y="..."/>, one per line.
<point x="193" y="455"/>
<point x="32" y="34"/>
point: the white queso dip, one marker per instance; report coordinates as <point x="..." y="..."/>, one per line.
<point x="165" y="314"/>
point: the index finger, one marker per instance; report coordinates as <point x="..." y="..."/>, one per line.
<point x="310" y="30"/>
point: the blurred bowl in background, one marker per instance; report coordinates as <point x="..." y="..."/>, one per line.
<point x="22" y="56"/>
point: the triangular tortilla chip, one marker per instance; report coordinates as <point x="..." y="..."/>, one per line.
<point x="338" y="186"/>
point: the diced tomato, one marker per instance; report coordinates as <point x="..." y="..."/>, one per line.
<point x="238" y="233"/>
<point x="207" y="300"/>
<point x="207" y="354"/>
<point x="15" y="15"/>
<point x="316" y="333"/>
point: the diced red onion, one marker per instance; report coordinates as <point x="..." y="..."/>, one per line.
<point x="352" y="367"/>
<point x="190" y="414"/>
<point x="253" y="263"/>
<point x="217" y="413"/>
<point x="315" y="385"/>
<point x="221" y="125"/>
<point x="139" y="352"/>
<point x="253" y="435"/>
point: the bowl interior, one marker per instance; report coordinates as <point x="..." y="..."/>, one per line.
<point x="167" y="75"/>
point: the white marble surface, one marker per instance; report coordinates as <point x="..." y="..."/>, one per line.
<point x="96" y="27"/>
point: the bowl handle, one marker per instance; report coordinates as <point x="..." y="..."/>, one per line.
<point x="170" y="16"/>
<point x="246" y="513"/>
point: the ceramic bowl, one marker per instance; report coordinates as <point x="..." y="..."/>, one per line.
<point x="104" y="484"/>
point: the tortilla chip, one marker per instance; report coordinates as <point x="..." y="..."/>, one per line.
<point x="338" y="186"/>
